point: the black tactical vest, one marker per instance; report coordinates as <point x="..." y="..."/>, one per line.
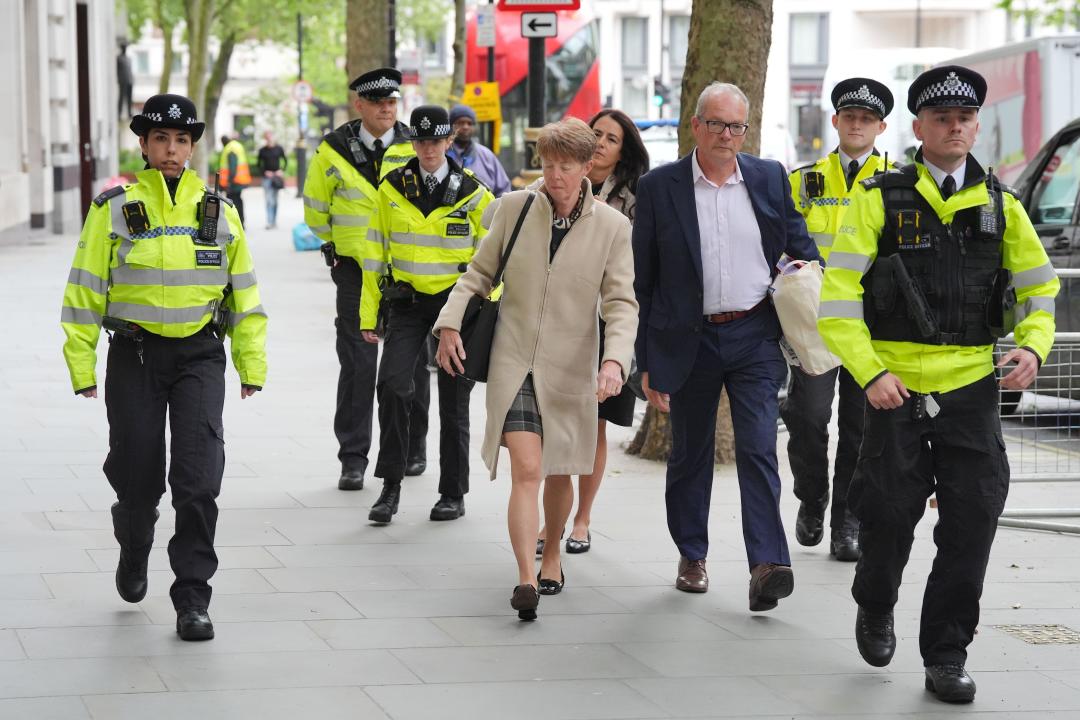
<point x="956" y="267"/>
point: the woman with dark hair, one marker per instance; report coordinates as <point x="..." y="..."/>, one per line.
<point x="619" y="160"/>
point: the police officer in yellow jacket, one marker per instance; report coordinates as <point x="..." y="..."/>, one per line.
<point x="340" y="204"/>
<point x="429" y="226"/>
<point x="233" y="171"/>
<point x="928" y="266"/>
<point x="163" y="264"/>
<point x="821" y="192"/>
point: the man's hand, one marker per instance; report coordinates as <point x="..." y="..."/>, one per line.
<point x="451" y="352"/>
<point x="89" y="393"/>
<point x="1027" y="367"/>
<point x="609" y="380"/>
<point x="370" y="336"/>
<point x="247" y="391"/>
<point x="660" y="401"/>
<point x="887" y="392"/>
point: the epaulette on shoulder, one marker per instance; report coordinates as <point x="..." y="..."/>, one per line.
<point x="1006" y="188"/>
<point x="476" y="178"/>
<point x="109" y="194"/>
<point x="806" y="167"/>
<point x="895" y="177"/>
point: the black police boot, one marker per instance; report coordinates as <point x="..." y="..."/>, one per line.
<point x="387" y="504"/>
<point x="193" y="623"/>
<point x="874" y="636"/>
<point x="810" y="522"/>
<point x="844" y="545"/>
<point x="448" y="508"/>
<point x="415" y="466"/>
<point x="351" y="479"/>
<point x="950" y="682"/>
<point x="131" y="574"/>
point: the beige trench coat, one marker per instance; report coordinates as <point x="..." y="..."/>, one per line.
<point x="547" y="321"/>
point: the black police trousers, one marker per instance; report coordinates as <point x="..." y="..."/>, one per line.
<point x="183" y="378"/>
<point x="960" y="456"/>
<point x="410" y="325"/>
<point x="356" y="380"/>
<point x="806" y="411"/>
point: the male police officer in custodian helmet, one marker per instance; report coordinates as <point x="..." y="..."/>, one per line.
<point x="163" y="265"/>
<point x="928" y="266"/>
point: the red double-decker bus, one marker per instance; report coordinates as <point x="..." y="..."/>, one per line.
<point x="573" y="73"/>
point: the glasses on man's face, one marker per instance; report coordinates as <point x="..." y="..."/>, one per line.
<point x="717" y="127"/>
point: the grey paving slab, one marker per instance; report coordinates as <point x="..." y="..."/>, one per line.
<point x="247" y="671"/>
<point x="102" y="585"/>
<point x="718" y="697"/>
<point x="269" y="607"/>
<point x="335" y="579"/>
<point x="554" y="700"/>
<point x="39" y="678"/>
<point x="476" y="602"/>
<point x="32" y="560"/>
<point x="585" y="628"/>
<point x="44" y="708"/>
<point x="23" y="587"/>
<point x="70" y="612"/>
<point x="228" y="557"/>
<point x="382" y="633"/>
<point x="148" y="640"/>
<point x="273" y="704"/>
<point x="10" y="649"/>
<point x="747" y="657"/>
<point x="389" y="554"/>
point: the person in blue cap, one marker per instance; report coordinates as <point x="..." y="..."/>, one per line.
<point x="467" y="152"/>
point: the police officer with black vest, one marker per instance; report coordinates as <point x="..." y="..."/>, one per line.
<point x="340" y="195"/>
<point x="429" y="225"/>
<point x="940" y="262"/>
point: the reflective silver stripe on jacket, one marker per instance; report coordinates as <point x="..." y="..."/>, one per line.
<point x="349" y="220"/>
<point x="128" y="275"/>
<point x="1034" y="276"/>
<point x="852" y="309"/>
<point x="87" y="279"/>
<point x="433" y="241"/>
<point x="243" y="281"/>
<point x="1034" y="304"/>
<point x="374" y="266"/>
<point x="324" y="229"/>
<point x="823" y="239"/>
<point x="79" y="316"/>
<point x="316" y="204"/>
<point x="422" y="268"/>
<point x="849" y="261"/>
<point x="154" y="314"/>
<point x="236" y="317"/>
<point x="349" y="193"/>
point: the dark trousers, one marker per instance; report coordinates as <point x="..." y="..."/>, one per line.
<point x="233" y="194"/>
<point x="960" y="456"/>
<point x="744" y="357"/>
<point x="356" y="380"/>
<point x="807" y="411"/>
<point x="405" y="347"/>
<point x="185" y="378"/>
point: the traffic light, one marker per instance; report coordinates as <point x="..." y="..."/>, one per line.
<point x="661" y="92"/>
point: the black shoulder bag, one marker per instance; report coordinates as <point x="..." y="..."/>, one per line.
<point x="478" y="322"/>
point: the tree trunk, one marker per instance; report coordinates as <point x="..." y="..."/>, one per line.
<point x="214" y="85"/>
<point x="457" y="86"/>
<point x="167" y="37"/>
<point x="198" y="17"/>
<point x="366" y="41"/>
<point x="729" y="40"/>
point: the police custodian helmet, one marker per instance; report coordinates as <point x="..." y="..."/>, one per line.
<point x="947" y="86"/>
<point x="858" y="92"/>
<point x="168" y="111"/>
<point x="378" y="84"/>
<point x="429" y="122"/>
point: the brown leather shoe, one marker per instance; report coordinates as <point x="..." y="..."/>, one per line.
<point x="769" y="582"/>
<point x="692" y="576"/>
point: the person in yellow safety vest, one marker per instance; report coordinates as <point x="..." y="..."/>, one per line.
<point x="163" y="264"/>
<point x="928" y="265"/>
<point x="340" y="197"/>
<point x="233" y="171"/>
<point x="822" y="191"/>
<point x="429" y="224"/>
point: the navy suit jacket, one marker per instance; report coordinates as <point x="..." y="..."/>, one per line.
<point x="667" y="258"/>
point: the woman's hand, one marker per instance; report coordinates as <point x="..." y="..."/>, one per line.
<point x="451" y="352"/>
<point x="609" y="380"/>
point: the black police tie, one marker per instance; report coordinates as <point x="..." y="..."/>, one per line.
<point x="431" y="182"/>
<point x="948" y="187"/>
<point x="852" y="172"/>
<point x="377" y="148"/>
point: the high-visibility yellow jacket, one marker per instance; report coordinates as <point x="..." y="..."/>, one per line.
<point x="921" y="367"/>
<point x="823" y="213"/>
<point x="243" y="172"/>
<point x="340" y="193"/>
<point x="161" y="278"/>
<point x="428" y="252"/>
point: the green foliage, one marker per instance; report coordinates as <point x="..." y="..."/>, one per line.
<point x="420" y="20"/>
<point x="1053" y="13"/>
<point x="130" y="161"/>
<point x="324" y="49"/>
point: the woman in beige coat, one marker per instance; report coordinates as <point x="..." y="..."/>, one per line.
<point x="572" y="256"/>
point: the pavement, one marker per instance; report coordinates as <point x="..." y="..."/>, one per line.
<point x="321" y="615"/>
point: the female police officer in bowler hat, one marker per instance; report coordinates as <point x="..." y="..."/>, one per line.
<point x="163" y="265"/>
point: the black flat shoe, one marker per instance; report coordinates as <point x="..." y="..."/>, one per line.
<point x="541" y="542"/>
<point x="193" y="623"/>
<point x="551" y="587"/>
<point x="525" y="600"/>
<point x="576" y="547"/>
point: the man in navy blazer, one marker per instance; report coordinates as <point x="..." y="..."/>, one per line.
<point x="708" y="233"/>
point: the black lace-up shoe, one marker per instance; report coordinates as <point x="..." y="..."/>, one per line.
<point x="874" y="636"/>
<point x="950" y="682"/>
<point x="387" y="504"/>
<point x="448" y="508"/>
<point x="131" y="575"/>
<point x="193" y="623"/>
<point x="810" y="522"/>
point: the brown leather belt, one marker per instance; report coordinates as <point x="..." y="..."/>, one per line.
<point x="726" y="317"/>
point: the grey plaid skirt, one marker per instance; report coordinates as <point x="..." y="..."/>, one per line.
<point x="524" y="413"/>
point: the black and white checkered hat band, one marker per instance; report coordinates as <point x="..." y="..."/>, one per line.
<point x="438" y="131"/>
<point x="383" y="83"/>
<point x="950" y="87"/>
<point x="864" y="98"/>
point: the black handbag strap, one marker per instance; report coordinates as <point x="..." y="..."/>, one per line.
<point x="513" y="239"/>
